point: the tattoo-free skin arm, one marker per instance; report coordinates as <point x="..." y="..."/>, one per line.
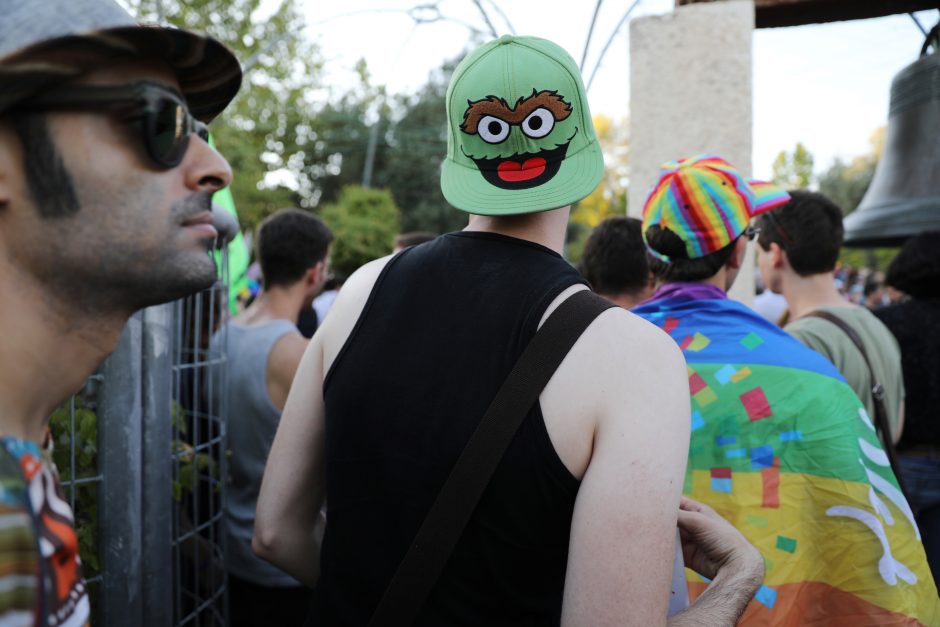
<point x="632" y="378"/>
<point x="288" y="522"/>
<point x="292" y="489"/>
<point x="622" y="541"/>
<point x="715" y="549"/>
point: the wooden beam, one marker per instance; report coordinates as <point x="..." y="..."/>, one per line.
<point x="773" y="13"/>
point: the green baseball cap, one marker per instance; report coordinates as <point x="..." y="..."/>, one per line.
<point x="520" y="136"/>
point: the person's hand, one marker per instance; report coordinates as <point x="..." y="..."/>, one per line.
<point x="711" y="544"/>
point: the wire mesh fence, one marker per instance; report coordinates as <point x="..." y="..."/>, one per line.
<point x="198" y="463"/>
<point x="140" y="454"/>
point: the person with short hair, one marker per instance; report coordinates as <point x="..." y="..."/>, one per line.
<point x="263" y="347"/>
<point x="411" y="238"/>
<point x="913" y="322"/>
<point x="106" y="183"/>
<point x="797" y="252"/>
<point x="780" y="445"/>
<point x="577" y="525"/>
<point x="615" y="262"/>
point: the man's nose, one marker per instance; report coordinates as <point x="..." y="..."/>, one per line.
<point x="206" y="169"/>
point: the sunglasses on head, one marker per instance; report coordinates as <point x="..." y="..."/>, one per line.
<point x="160" y="112"/>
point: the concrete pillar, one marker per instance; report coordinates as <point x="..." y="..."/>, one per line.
<point x="690" y="93"/>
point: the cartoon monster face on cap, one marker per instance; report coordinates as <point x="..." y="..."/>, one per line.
<point x="520" y="137"/>
<point x="540" y="123"/>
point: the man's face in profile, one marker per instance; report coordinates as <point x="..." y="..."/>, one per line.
<point x="139" y="233"/>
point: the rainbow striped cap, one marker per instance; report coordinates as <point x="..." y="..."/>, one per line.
<point x="706" y="202"/>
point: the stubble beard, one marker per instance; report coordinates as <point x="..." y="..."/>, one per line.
<point x="120" y="271"/>
<point x="176" y="273"/>
<point x="106" y="251"/>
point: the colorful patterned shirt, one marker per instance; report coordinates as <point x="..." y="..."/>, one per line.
<point x="41" y="580"/>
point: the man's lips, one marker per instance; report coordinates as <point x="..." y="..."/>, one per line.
<point x="203" y="223"/>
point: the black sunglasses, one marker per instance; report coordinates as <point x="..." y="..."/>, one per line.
<point x="751" y="232"/>
<point x="160" y="112"/>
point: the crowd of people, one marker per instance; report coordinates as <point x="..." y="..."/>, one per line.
<point x="891" y="365"/>
<point x="861" y="286"/>
<point x="792" y="469"/>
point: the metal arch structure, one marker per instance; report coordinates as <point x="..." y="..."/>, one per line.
<point x="775" y="13"/>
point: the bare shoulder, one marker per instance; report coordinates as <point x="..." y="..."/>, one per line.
<point x="638" y="370"/>
<point x="619" y="327"/>
<point x="617" y="413"/>
<point x="635" y="341"/>
<point x="618" y="343"/>
<point x="283" y="362"/>
<point x="623" y="375"/>
<point x="347" y="308"/>
<point x="286" y="354"/>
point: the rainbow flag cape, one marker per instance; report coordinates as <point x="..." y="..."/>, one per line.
<point x="783" y="448"/>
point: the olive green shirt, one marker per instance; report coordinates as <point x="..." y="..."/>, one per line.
<point x="883" y="352"/>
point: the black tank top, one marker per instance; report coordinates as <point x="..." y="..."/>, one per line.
<point x="440" y="332"/>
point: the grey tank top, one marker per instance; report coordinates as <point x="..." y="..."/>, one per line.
<point x="252" y="421"/>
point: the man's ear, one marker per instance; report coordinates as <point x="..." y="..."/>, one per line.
<point x="778" y="256"/>
<point x="311" y="275"/>
<point x="317" y="274"/>
<point x="737" y="257"/>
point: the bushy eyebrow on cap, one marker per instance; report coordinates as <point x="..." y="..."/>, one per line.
<point x="499" y="108"/>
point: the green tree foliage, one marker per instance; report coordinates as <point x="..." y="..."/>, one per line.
<point x="417" y="145"/>
<point x="793" y="170"/>
<point x="337" y="157"/>
<point x="846" y="182"/>
<point x="410" y="133"/>
<point x="610" y="197"/>
<point x="268" y="126"/>
<point x="364" y="224"/>
<point x="410" y="142"/>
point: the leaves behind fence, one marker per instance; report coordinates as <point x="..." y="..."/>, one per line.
<point x="364" y="224"/>
<point x="193" y="466"/>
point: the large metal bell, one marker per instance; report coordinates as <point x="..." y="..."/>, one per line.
<point x="904" y="196"/>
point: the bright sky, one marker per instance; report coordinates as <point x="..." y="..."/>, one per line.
<point x="826" y="86"/>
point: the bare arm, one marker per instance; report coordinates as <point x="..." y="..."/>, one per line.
<point x="292" y="488"/>
<point x="622" y="540"/>
<point x="283" y="362"/>
<point x="715" y="549"/>
<point x="288" y="525"/>
<point x="623" y="529"/>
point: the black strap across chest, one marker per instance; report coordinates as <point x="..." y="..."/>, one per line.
<point x="439" y="533"/>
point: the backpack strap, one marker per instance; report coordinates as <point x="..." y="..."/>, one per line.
<point x="424" y="562"/>
<point x="877" y="392"/>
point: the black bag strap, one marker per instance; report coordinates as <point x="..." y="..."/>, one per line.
<point x="877" y="392"/>
<point x="435" y="541"/>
